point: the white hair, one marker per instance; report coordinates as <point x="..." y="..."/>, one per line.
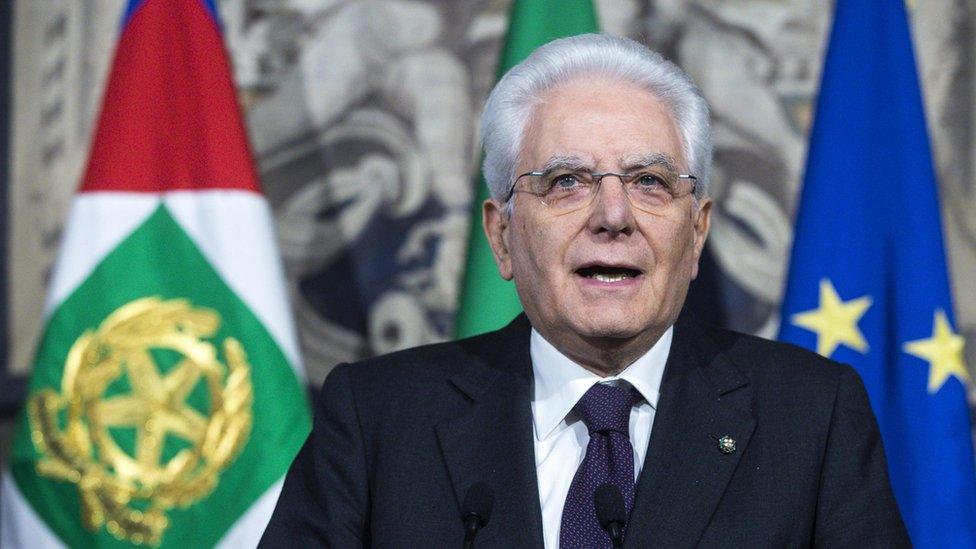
<point x="522" y="88"/>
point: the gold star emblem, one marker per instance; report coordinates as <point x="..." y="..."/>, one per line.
<point x="835" y="321"/>
<point x="156" y="408"/>
<point x="943" y="351"/>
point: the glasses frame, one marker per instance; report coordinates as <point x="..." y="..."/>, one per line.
<point x="598" y="180"/>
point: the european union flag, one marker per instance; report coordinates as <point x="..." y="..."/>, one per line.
<point x="868" y="283"/>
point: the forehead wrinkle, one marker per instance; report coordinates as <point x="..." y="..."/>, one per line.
<point x="569" y="161"/>
<point x="631" y="163"/>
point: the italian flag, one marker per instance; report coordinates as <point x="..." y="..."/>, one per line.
<point x="167" y="397"/>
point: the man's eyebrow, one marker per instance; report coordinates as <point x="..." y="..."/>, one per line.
<point x="565" y="162"/>
<point x="632" y="163"/>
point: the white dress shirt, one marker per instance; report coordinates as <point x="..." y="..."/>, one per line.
<point x="560" y="435"/>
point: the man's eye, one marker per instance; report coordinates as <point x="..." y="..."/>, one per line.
<point x="565" y="181"/>
<point x="649" y="180"/>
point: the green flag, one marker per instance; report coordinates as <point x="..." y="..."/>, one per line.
<point x="487" y="300"/>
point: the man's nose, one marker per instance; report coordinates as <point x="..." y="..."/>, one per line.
<point x="611" y="211"/>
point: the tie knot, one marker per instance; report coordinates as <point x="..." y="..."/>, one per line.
<point x="607" y="408"/>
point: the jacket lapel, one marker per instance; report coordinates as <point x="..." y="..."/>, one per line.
<point x="493" y="442"/>
<point x="703" y="398"/>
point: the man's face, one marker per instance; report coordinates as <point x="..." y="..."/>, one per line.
<point x="607" y="275"/>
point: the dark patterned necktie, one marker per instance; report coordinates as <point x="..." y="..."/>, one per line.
<point x="605" y="411"/>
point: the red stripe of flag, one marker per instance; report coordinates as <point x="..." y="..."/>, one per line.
<point x="170" y="118"/>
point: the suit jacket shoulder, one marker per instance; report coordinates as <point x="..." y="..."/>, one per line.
<point x="759" y="357"/>
<point x="493" y="352"/>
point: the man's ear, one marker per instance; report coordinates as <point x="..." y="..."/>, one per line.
<point x="495" y="220"/>
<point x="702" y="223"/>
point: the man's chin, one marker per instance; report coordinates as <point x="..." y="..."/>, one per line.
<point x="617" y="329"/>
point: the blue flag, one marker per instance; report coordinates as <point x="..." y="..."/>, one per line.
<point x="868" y="284"/>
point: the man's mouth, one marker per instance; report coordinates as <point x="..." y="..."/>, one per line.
<point x="608" y="273"/>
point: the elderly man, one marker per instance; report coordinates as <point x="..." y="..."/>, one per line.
<point x="604" y="415"/>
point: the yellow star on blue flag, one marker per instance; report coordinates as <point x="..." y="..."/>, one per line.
<point x="943" y="352"/>
<point x="835" y="321"/>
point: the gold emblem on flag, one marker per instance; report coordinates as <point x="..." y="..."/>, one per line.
<point x="140" y="378"/>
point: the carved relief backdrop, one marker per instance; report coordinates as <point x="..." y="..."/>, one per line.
<point x="363" y="119"/>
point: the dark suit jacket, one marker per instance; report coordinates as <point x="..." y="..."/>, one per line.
<point x="398" y="439"/>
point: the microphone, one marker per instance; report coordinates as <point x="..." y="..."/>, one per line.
<point x="611" y="513"/>
<point x="476" y="510"/>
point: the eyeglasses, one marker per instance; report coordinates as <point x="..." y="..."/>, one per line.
<point x="653" y="189"/>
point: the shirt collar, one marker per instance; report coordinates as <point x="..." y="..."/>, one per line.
<point x="560" y="382"/>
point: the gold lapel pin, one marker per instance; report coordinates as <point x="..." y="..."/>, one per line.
<point x="726" y="444"/>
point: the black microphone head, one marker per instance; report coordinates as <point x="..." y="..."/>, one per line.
<point x="609" y="504"/>
<point x="477" y="503"/>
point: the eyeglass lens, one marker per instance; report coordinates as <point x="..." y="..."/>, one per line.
<point x="651" y="190"/>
